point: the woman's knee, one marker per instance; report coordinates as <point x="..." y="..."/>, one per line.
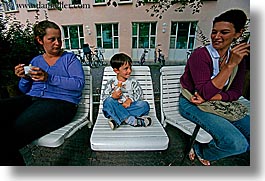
<point x="237" y="145"/>
<point x="241" y="145"/>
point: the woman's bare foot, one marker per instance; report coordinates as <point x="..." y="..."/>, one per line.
<point x="204" y="162"/>
<point x="192" y="156"/>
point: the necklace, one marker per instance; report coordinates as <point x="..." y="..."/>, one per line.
<point x="222" y="58"/>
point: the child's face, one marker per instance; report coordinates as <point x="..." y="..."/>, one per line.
<point x="124" y="72"/>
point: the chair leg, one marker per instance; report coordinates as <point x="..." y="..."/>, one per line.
<point x="190" y="143"/>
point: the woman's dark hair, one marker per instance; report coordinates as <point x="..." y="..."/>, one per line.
<point x="235" y="16"/>
<point x="120" y="59"/>
<point x="39" y="30"/>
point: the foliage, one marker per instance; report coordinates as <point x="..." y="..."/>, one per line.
<point x="201" y="37"/>
<point x="16" y="46"/>
<point x="159" y="7"/>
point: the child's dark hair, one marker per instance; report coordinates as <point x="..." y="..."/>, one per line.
<point x="119" y="60"/>
<point x="39" y="30"/>
<point x="235" y="16"/>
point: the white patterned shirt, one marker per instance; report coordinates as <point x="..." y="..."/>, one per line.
<point x="130" y="89"/>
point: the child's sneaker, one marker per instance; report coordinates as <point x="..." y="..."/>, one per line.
<point x="144" y="121"/>
<point x="112" y="124"/>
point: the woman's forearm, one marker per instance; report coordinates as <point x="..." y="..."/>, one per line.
<point x="220" y="80"/>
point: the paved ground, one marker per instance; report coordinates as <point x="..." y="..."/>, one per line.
<point x="76" y="150"/>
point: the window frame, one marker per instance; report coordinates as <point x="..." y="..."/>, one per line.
<point x="189" y="35"/>
<point x="81" y="39"/>
<point x="32" y="8"/>
<point x="100" y="37"/>
<point x="125" y="1"/>
<point x="150" y="35"/>
<point x="71" y="2"/>
<point x="100" y="3"/>
<point x="6" y="7"/>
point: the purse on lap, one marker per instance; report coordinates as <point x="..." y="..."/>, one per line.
<point x="232" y="111"/>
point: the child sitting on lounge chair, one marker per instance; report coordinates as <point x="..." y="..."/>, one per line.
<point x="122" y="96"/>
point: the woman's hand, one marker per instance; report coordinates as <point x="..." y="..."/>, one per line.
<point x="238" y="53"/>
<point x="19" y="71"/>
<point x="197" y="99"/>
<point x="37" y="74"/>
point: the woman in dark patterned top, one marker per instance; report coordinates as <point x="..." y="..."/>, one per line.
<point x="206" y="76"/>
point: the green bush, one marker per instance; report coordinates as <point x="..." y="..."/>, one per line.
<point x="16" y="47"/>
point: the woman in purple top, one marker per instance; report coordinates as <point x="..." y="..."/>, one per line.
<point x="206" y="76"/>
<point x="52" y="90"/>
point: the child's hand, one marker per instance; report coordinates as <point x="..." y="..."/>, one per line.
<point x="127" y="103"/>
<point x="116" y="94"/>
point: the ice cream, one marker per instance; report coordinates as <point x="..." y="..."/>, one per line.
<point x="119" y="85"/>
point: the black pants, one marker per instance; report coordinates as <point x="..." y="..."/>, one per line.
<point x="24" y="119"/>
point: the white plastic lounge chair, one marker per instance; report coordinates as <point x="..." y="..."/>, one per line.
<point x="83" y="117"/>
<point x="169" y="97"/>
<point x="126" y="137"/>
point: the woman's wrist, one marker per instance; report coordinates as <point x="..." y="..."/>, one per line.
<point x="230" y="65"/>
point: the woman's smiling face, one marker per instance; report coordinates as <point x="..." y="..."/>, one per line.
<point x="222" y="35"/>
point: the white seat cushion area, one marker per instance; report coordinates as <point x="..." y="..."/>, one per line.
<point x="126" y="137"/>
<point x="83" y="117"/>
<point x="170" y="91"/>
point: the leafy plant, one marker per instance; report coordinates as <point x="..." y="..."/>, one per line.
<point x="16" y="46"/>
<point x="201" y="37"/>
<point x="159" y="7"/>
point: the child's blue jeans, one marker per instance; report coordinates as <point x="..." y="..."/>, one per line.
<point x="113" y="109"/>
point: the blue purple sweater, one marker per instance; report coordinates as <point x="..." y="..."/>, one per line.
<point x="65" y="81"/>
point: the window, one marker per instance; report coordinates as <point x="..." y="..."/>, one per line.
<point x="124" y="1"/>
<point x="73" y="36"/>
<point x="9" y="5"/>
<point x="32" y="4"/>
<point x="143" y="35"/>
<point x="151" y="1"/>
<point x="99" y="1"/>
<point x="182" y="35"/>
<point x="53" y="4"/>
<point x="75" y="1"/>
<point x="107" y="36"/>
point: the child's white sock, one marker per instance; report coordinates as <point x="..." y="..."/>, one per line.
<point x="131" y="120"/>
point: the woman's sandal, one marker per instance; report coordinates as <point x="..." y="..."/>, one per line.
<point x="192" y="156"/>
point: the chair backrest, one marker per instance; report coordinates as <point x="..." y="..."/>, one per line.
<point x="170" y="91"/>
<point x="126" y="137"/>
<point x="170" y="87"/>
<point x="143" y="75"/>
<point x="85" y="109"/>
<point x="86" y="102"/>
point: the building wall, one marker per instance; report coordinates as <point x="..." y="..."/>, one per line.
<point x="125" y="14"/>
